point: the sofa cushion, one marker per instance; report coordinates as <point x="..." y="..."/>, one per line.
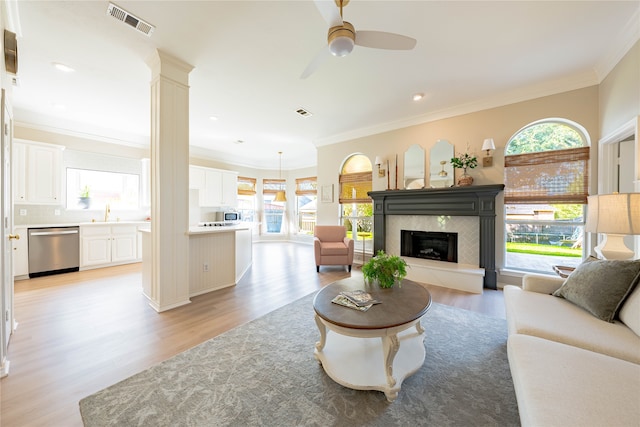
<point x="561" y="385"/>
<point x="630" y="311"/>
<point x="601" y="286"/>
<point x="556" y="319"/>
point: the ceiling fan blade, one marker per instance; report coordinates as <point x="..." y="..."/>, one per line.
<point x="329" y="12"/>
<point x="382" y="40"/>
<point x="320" y="58"/>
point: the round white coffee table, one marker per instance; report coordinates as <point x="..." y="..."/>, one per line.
<point x="376" y="349"/>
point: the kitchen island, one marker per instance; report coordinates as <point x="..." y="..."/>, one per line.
<point x="218" y="258"/>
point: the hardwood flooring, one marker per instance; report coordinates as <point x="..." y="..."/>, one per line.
<point x="81" y="332"/>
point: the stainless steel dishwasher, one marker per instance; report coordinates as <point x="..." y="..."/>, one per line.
<point x="53" y="250"/>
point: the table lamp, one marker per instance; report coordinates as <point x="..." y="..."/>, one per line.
<point x="615" y="216"/>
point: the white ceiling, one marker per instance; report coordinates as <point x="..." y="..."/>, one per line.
<point x="248" y="57"/>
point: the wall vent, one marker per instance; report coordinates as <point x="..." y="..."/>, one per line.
<point x="303" y="112"/>
<point x="129" y="19"/>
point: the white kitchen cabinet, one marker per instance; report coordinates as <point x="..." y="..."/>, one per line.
<point x="104" y="245"/>
<point x="139" y="230"/>
<point x="217" y="188"/>
<point x="196" y="178"/>
<point x="229" y="189"/>
<point x="20" y="252"/>
<point x="37" y="173"/>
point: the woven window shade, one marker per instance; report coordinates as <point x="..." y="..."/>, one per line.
<point x="354" y="187"/>
<point x="272" y="186"/>
<point x="307" y="186"/>
<point x="246" y="186"/>
<point x="558" y="176"/>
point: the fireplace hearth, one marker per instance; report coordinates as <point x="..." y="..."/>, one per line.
<point x="432" y="245"/>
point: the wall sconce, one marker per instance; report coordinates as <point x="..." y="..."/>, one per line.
<point x="381" y="172"/>
<point x="488" y="145"/>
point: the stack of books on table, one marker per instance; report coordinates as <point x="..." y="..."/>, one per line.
<point x="358" y="300"/>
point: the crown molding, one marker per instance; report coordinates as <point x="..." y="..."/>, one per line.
<point x="527" y="93"/>
<point x="629" y="35"/>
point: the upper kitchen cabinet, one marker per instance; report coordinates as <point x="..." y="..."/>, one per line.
<point x="217" y="188"/>
<point x="37" y="173"/>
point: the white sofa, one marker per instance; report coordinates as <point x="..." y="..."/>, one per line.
<point x="570" y="368"/>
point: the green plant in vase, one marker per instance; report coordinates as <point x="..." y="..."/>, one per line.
<point x="84" y="199"/>
<point x="385" y="268"/>
<point x="464" y="161"/>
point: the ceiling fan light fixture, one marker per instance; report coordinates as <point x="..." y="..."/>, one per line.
<point x="341" y="39"/>
<point x="341" y="46"/>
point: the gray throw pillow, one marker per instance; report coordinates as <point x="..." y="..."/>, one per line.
<point x="601" y="286"/>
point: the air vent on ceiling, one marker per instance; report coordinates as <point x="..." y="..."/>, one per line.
<point x="133" y="21"/>
<point x="303" y="112"/>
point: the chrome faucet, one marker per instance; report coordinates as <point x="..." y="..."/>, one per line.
<point x="107" y="211"/>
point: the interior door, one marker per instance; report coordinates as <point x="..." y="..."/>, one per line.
<point x="625" y="172"/>
<point x="7" y="229"/>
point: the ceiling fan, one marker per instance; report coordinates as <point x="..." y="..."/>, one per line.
<point x="342" y="36"/>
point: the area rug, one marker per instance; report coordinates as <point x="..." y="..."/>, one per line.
<point x="264" y="374"/>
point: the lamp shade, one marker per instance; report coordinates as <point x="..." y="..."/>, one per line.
<point x="378" y="161"/>
<point x="280" y="197"/>
<point x="488" y="144"/>
<point x="613" y="213"/>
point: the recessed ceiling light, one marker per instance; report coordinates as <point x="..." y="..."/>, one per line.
<point x="213" y="118"/>
<point x="238" y="141"/>
<point x="418" y="96"/>
<point x="61" y="67"/>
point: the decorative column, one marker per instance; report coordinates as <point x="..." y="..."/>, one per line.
<point x="169" y="181"/>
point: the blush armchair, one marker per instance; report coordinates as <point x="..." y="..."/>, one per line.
<point x="332" y="246"/>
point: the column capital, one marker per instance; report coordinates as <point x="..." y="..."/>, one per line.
<point x="163" y="64"/>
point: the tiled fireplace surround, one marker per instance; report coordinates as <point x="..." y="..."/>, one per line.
<point x="468" y="211"/>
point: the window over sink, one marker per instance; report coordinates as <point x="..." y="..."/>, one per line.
<point x="91" y="189"/>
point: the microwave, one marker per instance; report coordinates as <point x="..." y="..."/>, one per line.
<point x="228" y="216"/>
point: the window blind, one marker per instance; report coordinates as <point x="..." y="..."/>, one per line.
<point x="306" y="186"/>
<point x="354" y="187"/>
<point x="272" y="186"/>
<point x="557" y="176"/>
<point x="246" y="186"/>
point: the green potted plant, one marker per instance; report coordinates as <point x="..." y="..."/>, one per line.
<point x="385" y="269"/>
<point x="464" y="161"/>
<point x="84" y="200"/>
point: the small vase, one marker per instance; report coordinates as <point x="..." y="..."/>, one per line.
<point x="465" y="179"/>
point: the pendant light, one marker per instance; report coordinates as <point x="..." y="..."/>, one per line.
<point x="280" y="195"/>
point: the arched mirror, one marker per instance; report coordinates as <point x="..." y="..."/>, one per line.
<point x="414" y="167"/>
<point x="440" y="168"/>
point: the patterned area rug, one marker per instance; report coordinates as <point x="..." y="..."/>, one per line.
<point x="264" y="374"/>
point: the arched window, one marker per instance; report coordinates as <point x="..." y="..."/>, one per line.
<point x="356" y="208"/>
<point x="546" y="187"/>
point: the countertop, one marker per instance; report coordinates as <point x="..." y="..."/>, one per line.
<point x="195" y="230"/>
<point x="83" y="224"/>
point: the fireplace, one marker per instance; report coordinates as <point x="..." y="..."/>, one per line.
<point x="470" y="201"/>
<point x="433" y="245"/>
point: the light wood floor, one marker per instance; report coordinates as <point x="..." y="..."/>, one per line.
<point x="81" y="332"/>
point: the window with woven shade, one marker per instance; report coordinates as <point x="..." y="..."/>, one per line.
<point x="354" y="187"/>
<point x="558" y="176"/>
<point x="307" y="186"/>
<point x="272" y="186"/>
<point x="546" y="176"/>
<point x="246" y="186"/>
